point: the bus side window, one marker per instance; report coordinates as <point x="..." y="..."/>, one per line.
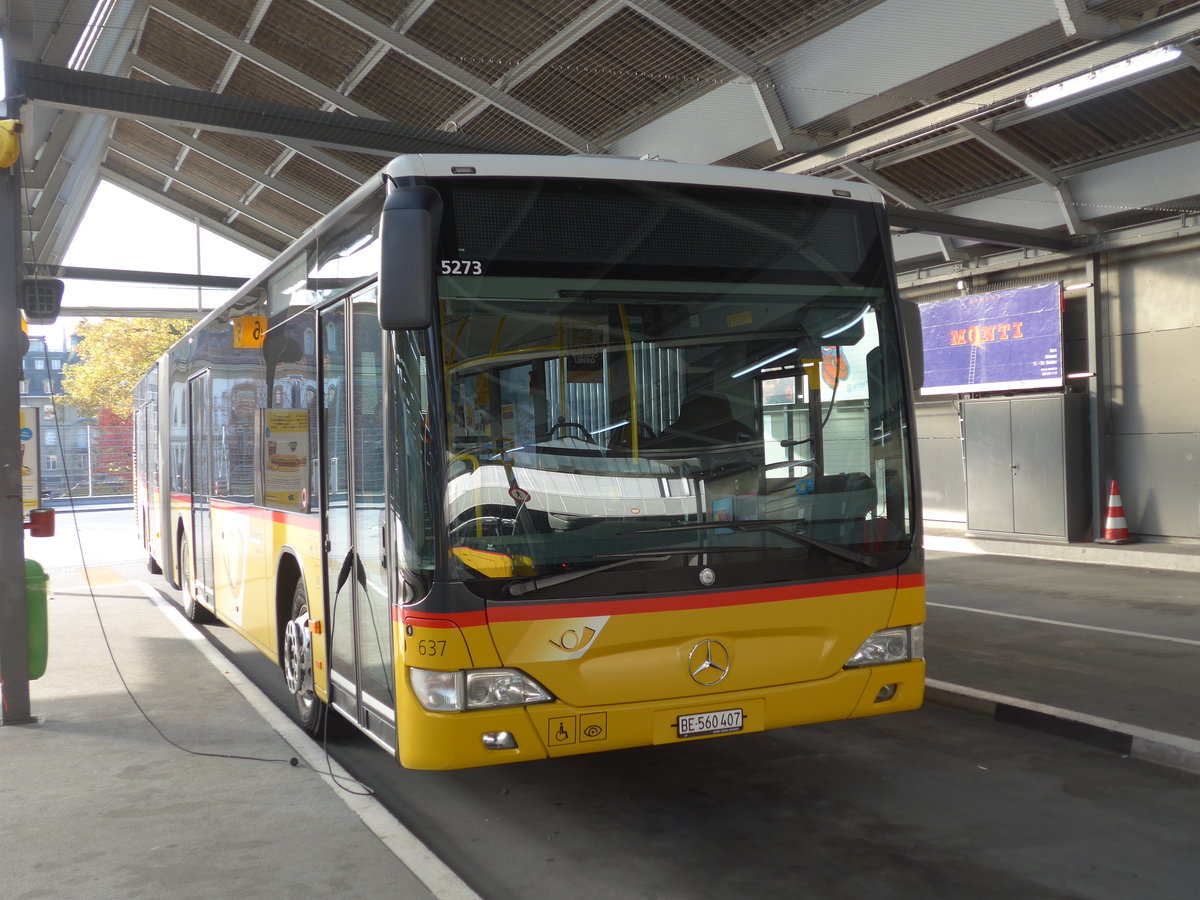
<point x="410" y="461"/>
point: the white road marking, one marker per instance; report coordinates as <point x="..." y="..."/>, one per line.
<point x="406" y="846"/>
<point x="1040" y="621"/>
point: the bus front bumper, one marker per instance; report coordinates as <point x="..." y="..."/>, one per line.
<point x="514" y="734"/>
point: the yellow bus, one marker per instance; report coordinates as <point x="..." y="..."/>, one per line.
<point x="517" y="457"/>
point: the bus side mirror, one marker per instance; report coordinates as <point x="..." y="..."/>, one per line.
<point x="914" y="341"/>
<point x="408" y="232"/>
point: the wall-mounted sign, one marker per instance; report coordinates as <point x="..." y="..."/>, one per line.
<point x="31" y="466"/>
<point x="1003" y="341"/>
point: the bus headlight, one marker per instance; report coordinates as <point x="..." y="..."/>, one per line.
<point x="437" y="691"/>
<point x="475" y="689"/>
<point x="889" y="646"/>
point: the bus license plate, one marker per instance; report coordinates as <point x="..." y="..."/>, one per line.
<point x="700" y="724"/>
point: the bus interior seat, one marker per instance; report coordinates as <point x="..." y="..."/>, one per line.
<point x="840" y="505"/>
<point x="621" y="439"/>
<point x="705" y="420"/>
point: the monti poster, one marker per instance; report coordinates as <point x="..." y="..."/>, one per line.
<point x="1003" y="341"/>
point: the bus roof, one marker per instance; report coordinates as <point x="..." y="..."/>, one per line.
<point x="623" y="169"/>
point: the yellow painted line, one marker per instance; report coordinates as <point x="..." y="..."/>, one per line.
<point x="103" y="575"/>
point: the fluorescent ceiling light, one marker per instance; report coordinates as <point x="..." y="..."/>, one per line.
<point x="763" y="362"/>
<point x="91" y="34"/>
<point x="1104" y="75"/>
<point x="610" y="428"/>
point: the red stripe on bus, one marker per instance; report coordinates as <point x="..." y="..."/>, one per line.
<point x="674" y="603"/>
<point x="681" y="602"/>
<point x="277" y="516"/>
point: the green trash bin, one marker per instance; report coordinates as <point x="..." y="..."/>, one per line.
<point x="36" y="588"/>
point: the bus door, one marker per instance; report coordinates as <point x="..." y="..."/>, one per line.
<point x="352" y="456"/>
<point x="201" y="452"/>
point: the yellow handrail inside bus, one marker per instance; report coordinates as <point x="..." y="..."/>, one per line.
<point x="633" y="398"/>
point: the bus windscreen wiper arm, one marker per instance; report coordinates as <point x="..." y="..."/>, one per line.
<point x="517" y="588"/>
<point x="775" y="526"/>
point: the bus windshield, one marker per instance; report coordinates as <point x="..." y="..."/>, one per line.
<point x="711" y="398"/>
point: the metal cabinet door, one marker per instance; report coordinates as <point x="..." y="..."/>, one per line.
<point x="988" y="434"/>
<point x="1038" y="477"/>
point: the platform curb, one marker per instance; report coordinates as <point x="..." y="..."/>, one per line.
<point x="441" y="881"/>
<point x="1133" y="741"/>
<point x="1139" y="556"/>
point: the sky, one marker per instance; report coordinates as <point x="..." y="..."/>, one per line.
<point x="120" y="230"/>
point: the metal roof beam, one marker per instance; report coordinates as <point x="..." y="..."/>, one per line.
<point x="138" y="312"/>
<point x="1077" y="20"/>
<point x="291" y="191"/>
<point x="885" y="184"/>
<point x="41" y="163"/>
<point x="125" y="98"/>
<point x="575" y="30"/>
<point x="165" y="170"/>
<point x="35" y="218"/>
<point x="1191" y="53"/>
<point x="870" y="176"/>
<point x="943" y="225"/>
<point x="302" y="147"/>
<point x="733" y="59"/>
<point x="408" y="18"/>
<point x="1170" y="29"/>
<point x="42" y="37"/>
<point x="443" y="68"/>
<point x="1034" y="167"/>
<point x="138" y="276"/>
<point x="270" y="63"/>
<point x="231" y="64"/>
<point x="82" y="154"/>
<point x="38" y="243"/>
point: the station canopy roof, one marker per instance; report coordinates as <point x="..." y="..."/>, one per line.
<point x="258" y="116"/>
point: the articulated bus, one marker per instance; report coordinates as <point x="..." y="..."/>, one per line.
<point x="516" y="457"/>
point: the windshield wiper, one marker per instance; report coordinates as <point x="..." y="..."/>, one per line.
<point x="775" y="526"/>
<point x="517" y="588"/>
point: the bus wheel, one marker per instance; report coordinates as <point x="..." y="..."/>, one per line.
<point x="191" y="606"/>
<point x="152" y="565"/>
<point x="298" y="664"/>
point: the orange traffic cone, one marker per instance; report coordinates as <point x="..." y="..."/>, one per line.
<point x="1116" y="529"/>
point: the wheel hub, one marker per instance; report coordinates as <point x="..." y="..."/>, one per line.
<point x="297" y="657"/>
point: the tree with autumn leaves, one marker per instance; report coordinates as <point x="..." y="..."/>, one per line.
<point x="113" y="355"/>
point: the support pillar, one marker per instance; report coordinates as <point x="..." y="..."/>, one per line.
<point x="1099" y="438"/>
<point x="14" y="624"/>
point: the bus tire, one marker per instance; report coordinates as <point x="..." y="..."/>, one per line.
<point x="297" y="661"/>
<point x="152" y="565"/>
<point x="192" y="608"/>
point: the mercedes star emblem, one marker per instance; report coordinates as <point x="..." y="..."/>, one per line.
<point x="708" y="663"/>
